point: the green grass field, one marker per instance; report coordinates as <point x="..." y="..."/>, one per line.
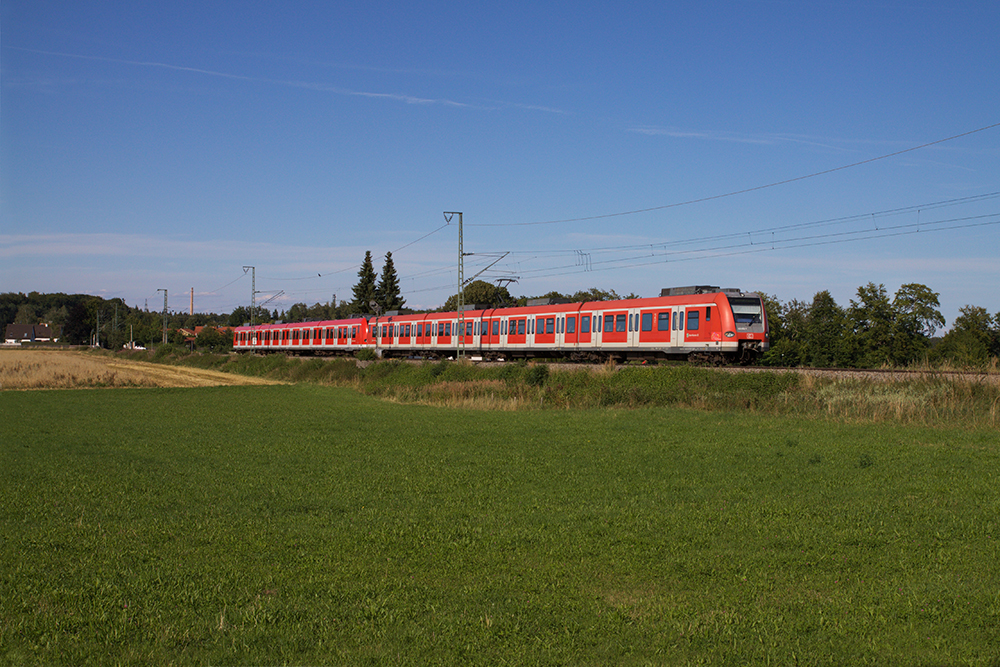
<point x="307" y="525"/>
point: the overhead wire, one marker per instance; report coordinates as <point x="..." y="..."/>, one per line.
<point x="748" y="247"/>
<point x="588" y="264"/>
<point x="737" y="192"/>
<point x="782" y="228"/>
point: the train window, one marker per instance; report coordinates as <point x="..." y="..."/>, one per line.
<point x="609" y="322"/>
<point x="570" y="325"/>
<point x="708" y="314"/>
<point x="447" y="328"/>
<point x="692" y="320"/>
<point x="620" y="322"/>
<point x="520" y="327"/>
<point x="647" y="321"/>
<point x="550" y="325"/>
<point x="407" y="331"/>
<point x="680" y="324"/>
<point x="496" y="327"/>
<point x="747" y="310"/>
<point x="585" y="324"/>
<point x="663" y="321"/>
<point x="597" y="322"/>
<point x="468" y="328"/>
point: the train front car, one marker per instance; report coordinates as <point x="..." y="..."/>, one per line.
<point x="746" y="324"/>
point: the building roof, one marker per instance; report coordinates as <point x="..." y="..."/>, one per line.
<point x="30" y="332"/>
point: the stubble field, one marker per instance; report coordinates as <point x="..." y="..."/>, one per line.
<point x="66" y="369"/>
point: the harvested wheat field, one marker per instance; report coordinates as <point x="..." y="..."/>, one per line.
<point x="65" y="369"/>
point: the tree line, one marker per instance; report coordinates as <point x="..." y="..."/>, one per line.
<point x="83" y="319"/>
<point x="873" y="330"/>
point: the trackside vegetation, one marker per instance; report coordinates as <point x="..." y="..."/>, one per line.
<point x="312" y="524"/>
<point x="929" y="399"/>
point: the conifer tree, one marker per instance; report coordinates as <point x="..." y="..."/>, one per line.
<point x="364" y="290"/>
<point x="387" y="291"/>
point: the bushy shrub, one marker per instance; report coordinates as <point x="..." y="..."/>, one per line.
<point x="536" y="374"/>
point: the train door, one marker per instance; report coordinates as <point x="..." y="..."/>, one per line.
<point x="571" y="330"/>
<point x="545" y="330"/>
<point x="484" y="334"/>
<point x="468" y="340"/>
<point x="585" y="337"/>
<point x="677" y="327"/>
<point x="633" y="329"/>
<point x="517" y="332"/>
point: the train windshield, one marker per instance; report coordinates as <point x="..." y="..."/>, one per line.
<point x="746" y="310"/>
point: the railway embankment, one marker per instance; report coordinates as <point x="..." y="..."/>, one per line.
<point x="922" y="397"/>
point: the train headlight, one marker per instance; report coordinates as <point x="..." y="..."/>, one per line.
<point x="730" y="334"/>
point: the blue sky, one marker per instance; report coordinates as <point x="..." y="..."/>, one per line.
<point x="148" y="146"/>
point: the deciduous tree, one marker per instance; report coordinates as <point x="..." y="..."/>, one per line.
<point x="482" y="293"/>
<point x="920" y="303"/>
<point x="824" y="334"/>
<point x="973" y="338"/>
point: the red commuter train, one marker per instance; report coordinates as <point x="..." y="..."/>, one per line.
<point x="699" y="322"/>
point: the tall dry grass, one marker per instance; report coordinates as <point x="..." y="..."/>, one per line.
<point x="57" y="369"/>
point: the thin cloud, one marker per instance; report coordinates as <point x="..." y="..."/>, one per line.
<point x="711" y="136"/>
<point x="306" y="85"/>
<point x="40" y="246"/>
<point x="408" y="99"/>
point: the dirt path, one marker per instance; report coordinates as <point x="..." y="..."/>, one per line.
<point x="67" y="369"/>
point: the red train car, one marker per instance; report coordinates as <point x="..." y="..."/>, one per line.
<point x="692" y="322"/>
